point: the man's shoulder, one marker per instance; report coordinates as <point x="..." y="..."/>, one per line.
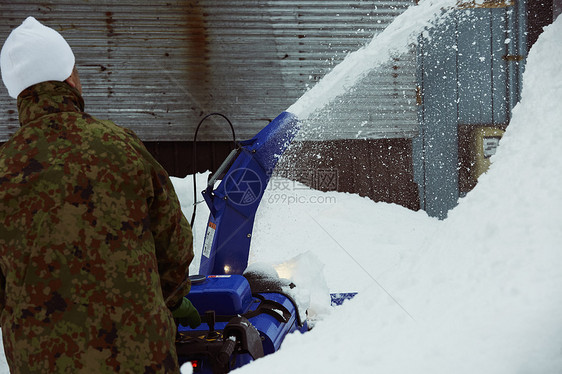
<point x="108" y="128"/>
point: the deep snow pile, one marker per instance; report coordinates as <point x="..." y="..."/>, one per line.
<point x="480" y="292"/>
<point x="477" y="293"/>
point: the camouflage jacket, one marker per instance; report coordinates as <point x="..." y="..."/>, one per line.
<point x="94" y="248"/>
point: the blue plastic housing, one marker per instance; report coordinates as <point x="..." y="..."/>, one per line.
<point x="271" y="330"/>
<point x="230" y="295"/>
<point x="225" y="294"/>
<point x="233" y="204"/>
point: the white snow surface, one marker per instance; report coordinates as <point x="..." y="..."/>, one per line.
<point x="480" y="292"/>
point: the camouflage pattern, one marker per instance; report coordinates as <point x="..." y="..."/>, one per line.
<point x="94" y="248"/>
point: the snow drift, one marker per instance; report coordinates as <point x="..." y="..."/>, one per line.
<point x="478" y="292"/>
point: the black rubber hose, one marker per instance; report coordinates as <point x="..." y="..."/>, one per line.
<point x="195" y="158"/>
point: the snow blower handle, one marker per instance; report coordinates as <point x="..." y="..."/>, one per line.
<point x="227" y="350"/>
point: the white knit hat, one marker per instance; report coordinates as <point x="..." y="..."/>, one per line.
<point x="34" y="53"/>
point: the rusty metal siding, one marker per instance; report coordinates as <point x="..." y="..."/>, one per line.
<point x="382" y="105"/>
<point x="127" y="52"/>
<point x="158" y="66"/>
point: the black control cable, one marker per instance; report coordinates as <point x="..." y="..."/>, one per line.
<point x="195" y="157"/>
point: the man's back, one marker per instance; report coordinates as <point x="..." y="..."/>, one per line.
<point x="92" y="243"/>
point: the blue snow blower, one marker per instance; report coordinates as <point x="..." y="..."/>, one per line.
<point x="245" y="315"/>
<point x="244" y="318"/>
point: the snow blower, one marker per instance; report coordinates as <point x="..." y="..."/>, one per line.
<point x="245" y="315"/>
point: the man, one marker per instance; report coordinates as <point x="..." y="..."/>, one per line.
<point x="94" y="249"/>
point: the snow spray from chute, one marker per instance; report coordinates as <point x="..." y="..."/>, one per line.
<point x="233" y="204"/>
<point x="396" y="38"/>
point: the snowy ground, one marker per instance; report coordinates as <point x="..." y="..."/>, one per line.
<point x="480" y="292"/>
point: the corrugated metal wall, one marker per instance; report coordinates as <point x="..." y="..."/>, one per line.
<point x="471" y="71"/>
<point x="382" y="105"/>
<point x="131" y="55"/>
<point x="159" y="66"/>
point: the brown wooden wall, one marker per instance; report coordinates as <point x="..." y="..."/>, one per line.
<point x="380" y="169"/>
<point x="177" y="157"/>
<point x="539" y="15"/>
